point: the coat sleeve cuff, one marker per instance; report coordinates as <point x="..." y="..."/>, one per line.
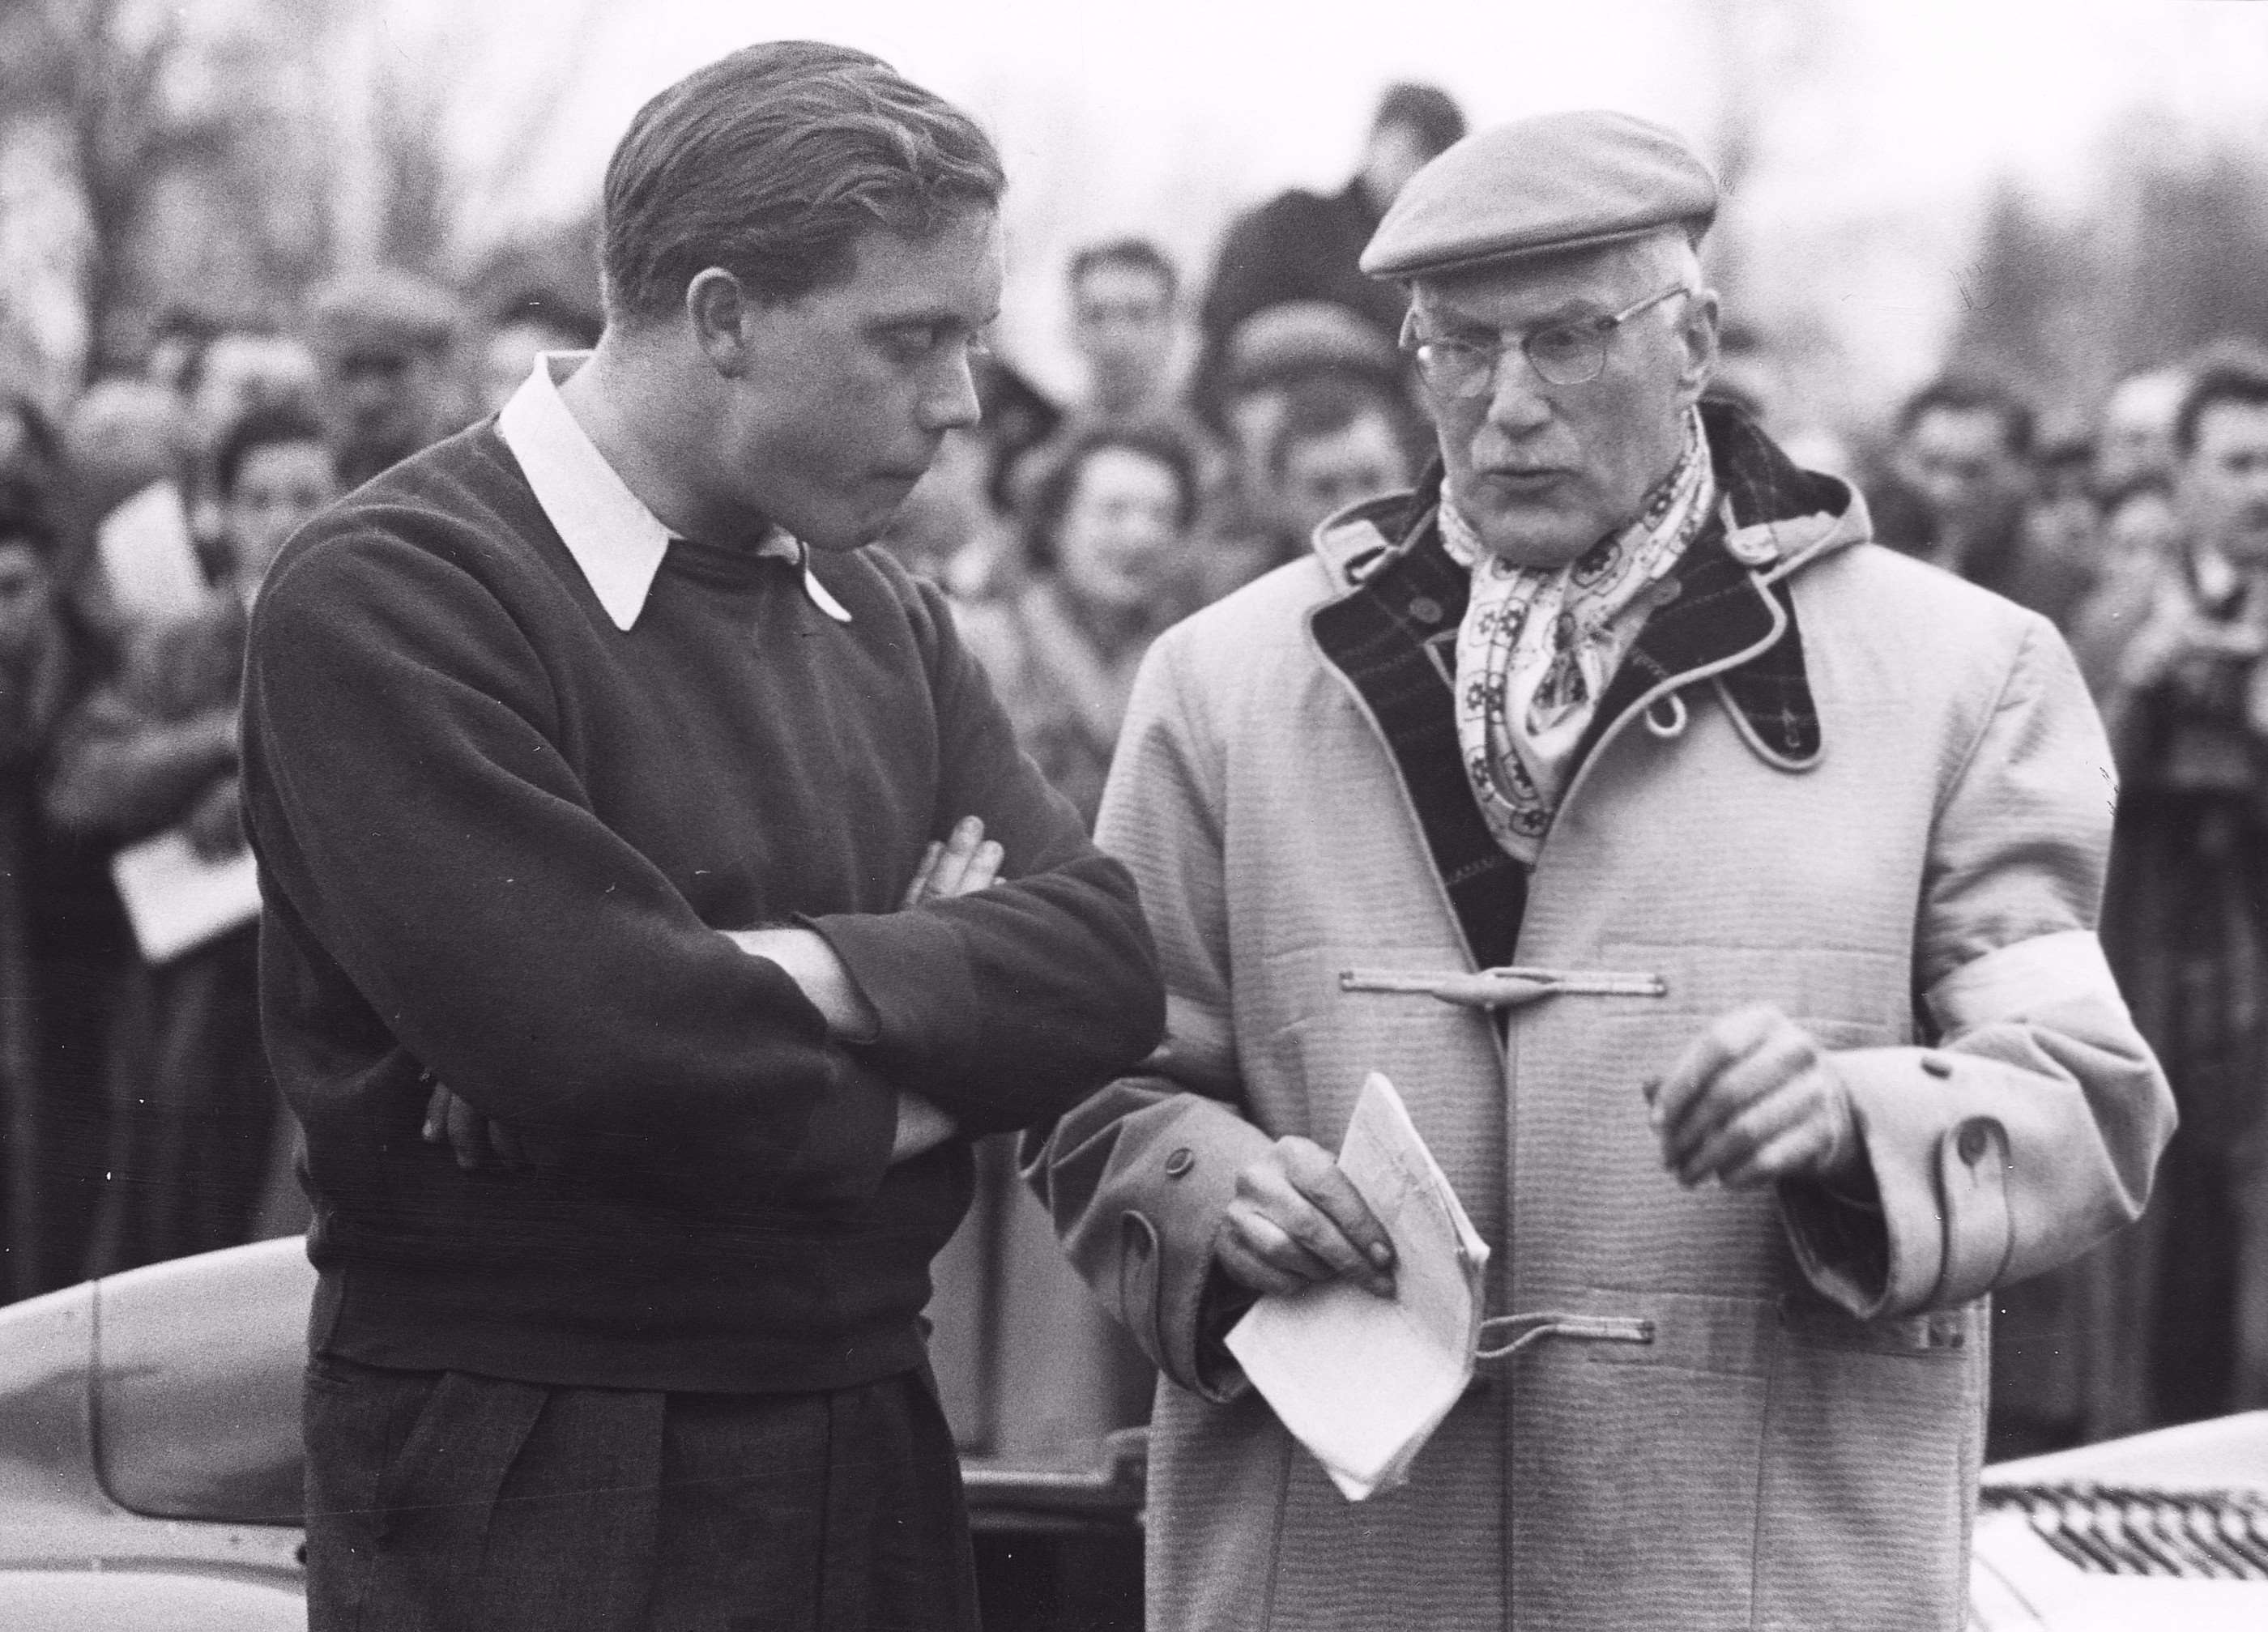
<point x="911" y="969"/>
<point x="1945" y="1233"/>
<point x="1171" y="1298"/>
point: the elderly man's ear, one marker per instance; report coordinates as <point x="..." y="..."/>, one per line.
<point x="1696" y="333"/>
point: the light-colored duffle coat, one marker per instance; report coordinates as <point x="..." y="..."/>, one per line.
<point x="1795" y="1444"/>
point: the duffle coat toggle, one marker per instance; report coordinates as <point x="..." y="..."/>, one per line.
<point x="1507" y="986"/>
<point x="1513" y="1333"/>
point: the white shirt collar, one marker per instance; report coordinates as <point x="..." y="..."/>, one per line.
<point x="614" y="538"/>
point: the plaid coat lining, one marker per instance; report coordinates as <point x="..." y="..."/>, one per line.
<point x="1394" y="637"/>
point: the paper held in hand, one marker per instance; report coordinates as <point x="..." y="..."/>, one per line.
<point x="1363" y="1381"/>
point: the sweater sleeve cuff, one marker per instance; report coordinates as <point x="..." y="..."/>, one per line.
<point x="911" y="969"/>
<point x="845" y="1150"/>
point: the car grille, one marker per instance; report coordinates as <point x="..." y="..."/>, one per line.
<point x="2219" y="1535"/>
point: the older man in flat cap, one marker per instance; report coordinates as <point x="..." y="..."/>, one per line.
<point x="1719" y="890"/>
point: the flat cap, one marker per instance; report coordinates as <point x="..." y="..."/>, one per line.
<point x="1296" y="337"/>
<point x="1543" y="186"/>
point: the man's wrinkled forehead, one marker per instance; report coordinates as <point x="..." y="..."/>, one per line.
<point x="1536" y="288"/>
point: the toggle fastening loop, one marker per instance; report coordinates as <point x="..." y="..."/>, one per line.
<point x="1533" y="1328"/>
<point x="1509" y="987"/>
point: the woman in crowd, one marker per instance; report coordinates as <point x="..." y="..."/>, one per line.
<point x="1030" y="1368"/>
<point x="194" y="1112"/>
<point x="1107" y="547"/>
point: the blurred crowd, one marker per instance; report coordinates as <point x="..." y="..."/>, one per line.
<point x="1216" y="427"/>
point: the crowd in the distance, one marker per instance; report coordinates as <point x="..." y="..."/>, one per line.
<point x="135" y="528"/>
<point x="1215" y="431"/>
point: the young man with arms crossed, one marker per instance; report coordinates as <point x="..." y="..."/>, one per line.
<point x="625" y="829"/>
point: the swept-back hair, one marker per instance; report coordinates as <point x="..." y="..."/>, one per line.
<point x="2240" y="378"/>
<point x="771" y="164"/>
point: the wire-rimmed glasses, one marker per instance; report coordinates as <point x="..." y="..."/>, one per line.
<point x="1573" y="353"/>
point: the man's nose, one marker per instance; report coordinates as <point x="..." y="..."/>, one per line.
<point x="1517" y="402"/>
<point x="950" y="402"/>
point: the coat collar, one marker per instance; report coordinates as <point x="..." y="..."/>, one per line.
<point x="1732" y="621"/>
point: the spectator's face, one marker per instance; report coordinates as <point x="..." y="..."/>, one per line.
<point x="842" y="397"/>
<point x="389" y="400"/>
<point x="27" y="594"/>
<point x="1543" y="471"/>
<point x="2138" y="428"/>
<point x="1958" y="460"/>
<point x="1115" y="544"/>
<point x="278" y="489"/>
<point x="2224" y="482"/>
<point x="1325" y="474"/>
<point x="1122" y="324"/>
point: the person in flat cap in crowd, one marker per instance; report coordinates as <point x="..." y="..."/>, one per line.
<point x="1622" y="700"/>
<point x="661" y="857"/>
<point x="386" y="340"/>
<point x="1276" y="354"/>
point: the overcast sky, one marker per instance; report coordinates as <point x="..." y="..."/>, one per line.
<point x="1163" y="115"/>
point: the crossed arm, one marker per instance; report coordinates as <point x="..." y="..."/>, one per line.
<point x="960" y="865"/>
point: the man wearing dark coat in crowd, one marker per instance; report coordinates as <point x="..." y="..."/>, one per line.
<point x="1958" y="478"/>
<point x="1300" y="246"/>
<point x="665" y="853"/>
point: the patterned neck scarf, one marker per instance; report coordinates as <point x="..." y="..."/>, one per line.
<point x="1537" y="648"/>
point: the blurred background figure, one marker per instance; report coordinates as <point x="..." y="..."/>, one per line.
<point x="2184" y="693"/>
<point x="241" y="370"/>
<point x="1125" y="328"/>
<point x="387" y="340"/>
<point x="2136" y="435"/>
<point x="1957" y="480"/>
<point x="1273" y="354"/>
<point x="195" y="1122"/>
<point x="1303" y="246"/>
<point x="62" y="942"/>
<point x="1029" y="1366"/>
<point x="31" y="448"/>
<point x="1341" y="438"/>
<point x="128" y="446"/>
<point x="521" y="328"/>
<point x="2059" y="548"/>
<point x="1107" y="551"/>
<point x="1123" y="300"/>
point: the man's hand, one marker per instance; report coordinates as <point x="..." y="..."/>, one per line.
<point x="964" y="864"/>
<point x="1754" y="1100"/>
<point x="473" y="1138"/>
<point x="1296" y="1221"/>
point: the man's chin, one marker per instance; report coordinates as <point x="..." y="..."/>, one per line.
<point x="1528" y="538"/>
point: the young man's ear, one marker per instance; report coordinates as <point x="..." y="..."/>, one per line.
<point x="721" y="309"/>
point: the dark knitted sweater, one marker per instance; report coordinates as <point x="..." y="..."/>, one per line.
<point x="497" y="836"/>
